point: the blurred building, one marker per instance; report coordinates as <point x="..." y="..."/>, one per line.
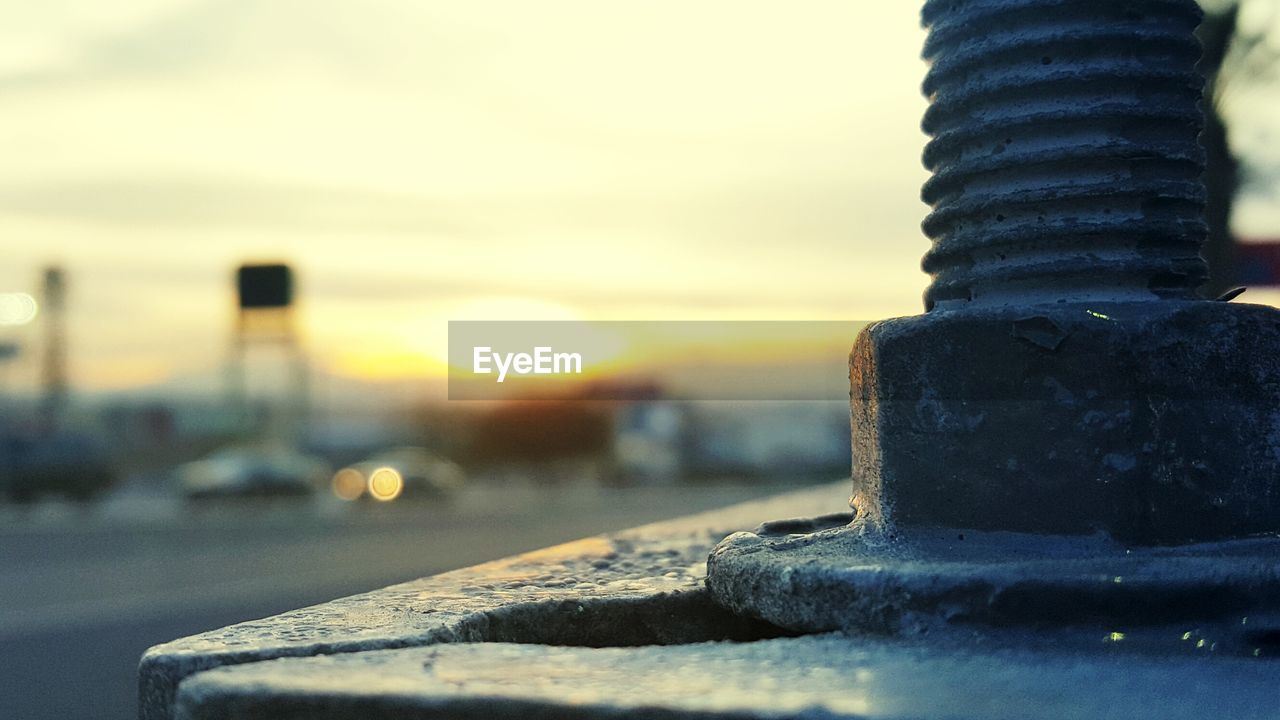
<point x="723" y="440"/>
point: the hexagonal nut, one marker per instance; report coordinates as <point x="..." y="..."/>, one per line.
<point x="1156" y="422"/>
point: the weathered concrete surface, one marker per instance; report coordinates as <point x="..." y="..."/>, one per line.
<point x="1155" y="422"/>
<point x="927" y="581"/>
<point x="809" y="677"/>
<point x="636" y="587"/>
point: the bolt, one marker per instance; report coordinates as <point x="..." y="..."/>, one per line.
<point x="1064" y="151"/>
<point x="1065" y="379"/>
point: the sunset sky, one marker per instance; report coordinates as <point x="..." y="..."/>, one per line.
<point x="496" y="159"/>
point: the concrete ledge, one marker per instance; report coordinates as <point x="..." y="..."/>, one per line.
<point x="638" y="587"/>
<point x="809" y="677"/>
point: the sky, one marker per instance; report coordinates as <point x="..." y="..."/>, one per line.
<point x="419" y="162"/>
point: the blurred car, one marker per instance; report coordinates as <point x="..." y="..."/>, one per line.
<point x="60" y="463"/>
<point x="399" y="472"/>
<point x="265" y="470"/>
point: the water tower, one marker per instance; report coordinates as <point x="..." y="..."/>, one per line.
<point x="265" y="318"/>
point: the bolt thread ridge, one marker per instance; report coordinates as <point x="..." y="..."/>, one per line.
<point x="1064" y="151"/>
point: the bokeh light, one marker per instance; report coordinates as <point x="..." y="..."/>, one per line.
<point x="17" y="308"/>
<point x="385" y="484"/>
<point x="348" y="484"/>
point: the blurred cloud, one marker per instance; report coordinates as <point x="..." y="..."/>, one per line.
<point x="225" y="203"/>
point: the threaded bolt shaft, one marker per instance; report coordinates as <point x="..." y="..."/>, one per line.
<point x="1064" y="151"/>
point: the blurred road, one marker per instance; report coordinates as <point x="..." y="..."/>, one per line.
<point x="83" y="591"/>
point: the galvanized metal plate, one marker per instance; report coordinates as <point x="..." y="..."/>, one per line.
<point x="860" y="581"/>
